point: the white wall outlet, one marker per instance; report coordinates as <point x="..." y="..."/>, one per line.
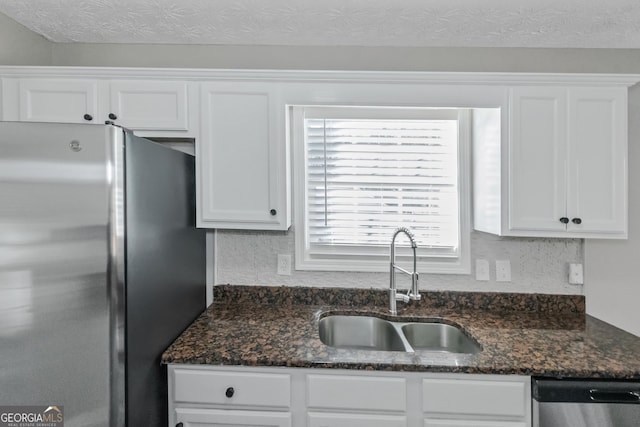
<point x="575" y="274"/>
<point x="503" y="270"/>
<point x="482" y="270"/>
<point x="284" y="264"/>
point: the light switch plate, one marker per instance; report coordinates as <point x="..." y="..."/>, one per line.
<point x="482" y="270"/>
<point x="503" y="270"/>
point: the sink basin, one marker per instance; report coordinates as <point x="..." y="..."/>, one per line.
<point x="372" y="333"/>
<point x="360" y="333"/>
<point x="439" y="337"/>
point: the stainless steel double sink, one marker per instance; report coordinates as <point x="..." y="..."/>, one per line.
<point x="373" y="333"/>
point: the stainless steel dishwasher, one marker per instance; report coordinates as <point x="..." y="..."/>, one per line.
<point x="585" y="403"/>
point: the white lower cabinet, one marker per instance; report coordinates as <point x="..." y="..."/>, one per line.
<point x="208" y="396"/>
<point x="225" y="418"/>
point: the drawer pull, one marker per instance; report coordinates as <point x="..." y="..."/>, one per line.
<point x="564" y="220"/>
<point x="112" y="116"/>
<point x="229" y="392"/>
<point x="88" y="117"/>
<point x="576" y="221"/>
<point x="610" y="396"/>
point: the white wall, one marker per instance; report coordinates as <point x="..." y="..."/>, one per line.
<point x="612" y="283"/>
<point x="350" y="58"/>
<point x="21" y="46"/>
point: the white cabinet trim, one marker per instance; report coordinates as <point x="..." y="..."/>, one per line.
<point x="402" y="77"/>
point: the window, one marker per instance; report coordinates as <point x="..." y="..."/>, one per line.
<point x="361" y="172"/>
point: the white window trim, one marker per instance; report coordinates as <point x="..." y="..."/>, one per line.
<point x="369" y="263"/>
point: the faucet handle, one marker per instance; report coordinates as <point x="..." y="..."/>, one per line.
<point x="402" y="297"/>
<point x="414" y="293"/>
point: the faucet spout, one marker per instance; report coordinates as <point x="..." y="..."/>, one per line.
<point x="414" y="292"/>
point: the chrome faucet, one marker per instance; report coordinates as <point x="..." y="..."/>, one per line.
<point x="413" y="293"/>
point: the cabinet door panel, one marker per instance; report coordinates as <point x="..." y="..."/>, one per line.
<point x="453" y="397"/>
<point x="242" y="158"/>
<point x="149" y="105"/>
<point x="340" y="392"/>
<point x="355" y="420"/>
<point x="58" y="100"/>
<point x="223" y="418"/>
<point x="597" y="184"/>
<point x="537" y="159"/>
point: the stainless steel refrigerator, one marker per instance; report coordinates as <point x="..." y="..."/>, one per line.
<point x="101" y="268"/>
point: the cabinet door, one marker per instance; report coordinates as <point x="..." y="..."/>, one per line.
<point x="58" y="100"/>
<point x="476" y="397"/>
<point x="243" y="160"/>
<point x="355" y="420"/>
<point x="148" y="105"/>
<point x="597" y="181"/>
<point x="222" y="418"/>
<point x="537" y="159"/>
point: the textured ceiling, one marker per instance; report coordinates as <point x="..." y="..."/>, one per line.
<point x="490" y="23"/>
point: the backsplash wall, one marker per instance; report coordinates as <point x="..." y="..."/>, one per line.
<point x="537" y="265"/>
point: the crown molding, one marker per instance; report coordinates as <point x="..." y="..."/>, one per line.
<point x="311" y="76"/>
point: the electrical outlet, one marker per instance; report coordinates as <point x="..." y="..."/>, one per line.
<point x="482" y="270"/>
<point x="503" y="270"/>
<point x="576" y="274"/>
<point x="284" y="264"/>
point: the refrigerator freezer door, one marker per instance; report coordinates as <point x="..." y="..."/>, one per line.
<point x="165" y="269"/>
<point x="54" y="328"/>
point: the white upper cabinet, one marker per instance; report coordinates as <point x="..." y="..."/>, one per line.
<point x="149" y="105"/>
<point x="242" y="157"/>
<point x="537" y="159"/>
<point x="562" y="171"/>
<point x="549" y="151"/>
<point x="51" y="100"/>
<point x="597" y="171"/>
<point x="144" y="105"/>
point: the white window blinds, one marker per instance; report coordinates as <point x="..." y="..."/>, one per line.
<point x="372" y="170"/>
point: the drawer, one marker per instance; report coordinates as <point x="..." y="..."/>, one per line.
<point x="190" y="417"/>
<point x="474" y="397"/>
<point x="244" y="389"/>
<point x="471" y="423"/>
<point x="355" y="420"/>
<point x="356" y="393"/>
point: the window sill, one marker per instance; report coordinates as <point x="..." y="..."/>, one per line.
<point x="378" y="264"/>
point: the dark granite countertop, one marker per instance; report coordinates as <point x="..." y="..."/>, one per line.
<point x="525" y="334"/>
